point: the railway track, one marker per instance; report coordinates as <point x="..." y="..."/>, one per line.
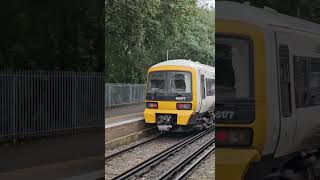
<point x="144" y="167"/>
<point x="204" y="151"/>
<point x="128" y="149"/>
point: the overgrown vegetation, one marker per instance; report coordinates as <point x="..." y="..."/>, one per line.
<point x="140" y="32"/>
<point x="52" y="35"/>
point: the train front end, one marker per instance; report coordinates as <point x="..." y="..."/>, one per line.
<point x="170" y="97"/>
<point x="241" y="98"/>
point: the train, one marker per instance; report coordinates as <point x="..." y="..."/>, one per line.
<point x="268" y="87"/>
<point x="180" y="95"/>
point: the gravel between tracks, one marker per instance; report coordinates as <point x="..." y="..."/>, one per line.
<point x="127" y="160"/>
<point x="205" y="171"/>
<point x="174" y="159"/>
<point x="113" y="150"/>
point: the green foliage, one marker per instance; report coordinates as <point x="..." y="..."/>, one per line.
<point x="139" y="33"/>
<point x="55" y="35"/>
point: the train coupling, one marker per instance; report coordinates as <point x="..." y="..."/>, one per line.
<point x="164" y="127"/>
<point x="164" y="122"/>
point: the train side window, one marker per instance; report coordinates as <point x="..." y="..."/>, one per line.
<point x="285" y="85"/>
<point x="210" y="87"/>
<point x="300" y="81"/>
<point x="314" y="82"/>
<point x="203" y="89"/>
<point x="307" y="81"/>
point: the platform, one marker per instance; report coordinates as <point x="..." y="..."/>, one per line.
<point x="125" y="124"/>
<point x="124" y="110"/>
<point x="70" y="170"/>
<point x="52" y="158"/>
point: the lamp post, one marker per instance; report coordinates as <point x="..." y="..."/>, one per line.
<point x="168" y="50"/>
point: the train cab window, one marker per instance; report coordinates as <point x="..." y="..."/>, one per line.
<point x="285" y="85"/>
<point x="157" y="81"/>
<point x="180" y="82"/>
<point x="169" y="86"/>
<point x="233" y="68"/>
<point x="234" y="79"/>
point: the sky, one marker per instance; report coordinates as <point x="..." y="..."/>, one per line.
<point x="211" y="3"/>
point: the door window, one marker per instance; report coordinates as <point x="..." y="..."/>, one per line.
<point x="203" y="88"/>
<point x="285" y="85"/>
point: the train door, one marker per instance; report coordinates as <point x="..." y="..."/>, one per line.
<point x="286" y="96"/>
<point x="202" y="91"/>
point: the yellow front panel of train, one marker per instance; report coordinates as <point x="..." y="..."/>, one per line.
<point x="165" y="107"/>
<point x="232" y="164"/>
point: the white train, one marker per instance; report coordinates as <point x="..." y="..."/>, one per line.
<point x="180" y="95"/>
<point x="274" y="60"/>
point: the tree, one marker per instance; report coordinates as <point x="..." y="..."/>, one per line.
<point x="55" y="35"/>
<point x="139" y="33"/>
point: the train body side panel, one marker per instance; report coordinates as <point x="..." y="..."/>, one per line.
<point x="273" y="125"/>
<point x="303" y="131"/>
<point x="276" y="136"/>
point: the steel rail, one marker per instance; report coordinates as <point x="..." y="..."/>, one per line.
<point x="205" y="149"/>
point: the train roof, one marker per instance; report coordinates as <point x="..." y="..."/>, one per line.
<point x="263" y="17"/>
<point x="184" y="62"/>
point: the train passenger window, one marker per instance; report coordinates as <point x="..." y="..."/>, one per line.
<point x="285" y="85"/>
<point x="210" y="87"/>
<point x="307" y="81"/>
<point x="315" y="82"/>
<point x="300" y="81"/>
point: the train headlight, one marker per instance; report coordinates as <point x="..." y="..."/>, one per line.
<point x="184" y="106"/>
<point x="152" y="105"/>
<point x="233" y="137"/>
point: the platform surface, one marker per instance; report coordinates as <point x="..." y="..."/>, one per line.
<point x="124" y="110"/>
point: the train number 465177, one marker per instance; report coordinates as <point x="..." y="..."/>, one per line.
<point x="224" y="114"/>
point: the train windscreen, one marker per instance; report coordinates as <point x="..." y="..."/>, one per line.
<point x="234" y="80"/>
<point x="169" y="85"/>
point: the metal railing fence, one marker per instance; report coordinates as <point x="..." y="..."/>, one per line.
<point x="35" y="102"/>
<point x="123" y="94"/>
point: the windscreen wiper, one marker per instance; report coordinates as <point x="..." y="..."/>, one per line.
<point x="154" y="95"/>
<point x="179" y="95"/>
